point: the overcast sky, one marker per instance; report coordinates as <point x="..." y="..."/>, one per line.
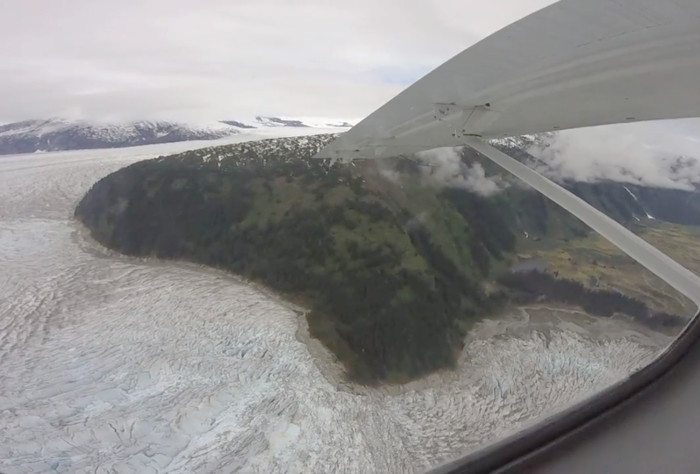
<point x="216" y="59"/>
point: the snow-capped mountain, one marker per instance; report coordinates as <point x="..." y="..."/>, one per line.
<point x="278" y="122"/>
<point x="57" y="134"/>
<point x="261" y="121"/>
<point x="524" y="142"/>
<point x="60" y="134"/>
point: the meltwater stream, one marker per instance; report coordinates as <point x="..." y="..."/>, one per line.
<point x="112" y="364"/>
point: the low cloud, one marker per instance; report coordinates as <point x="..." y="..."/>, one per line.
<point x="445" y="167"/>
<point x="661" y="154"/>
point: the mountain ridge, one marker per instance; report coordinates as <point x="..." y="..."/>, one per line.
<point x="394" y="266"/>
<point x="58" y="134"/>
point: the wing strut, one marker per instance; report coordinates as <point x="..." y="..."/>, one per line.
<point x="640" y="250"/>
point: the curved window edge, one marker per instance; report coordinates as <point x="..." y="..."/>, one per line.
<point x="544" y="438"/>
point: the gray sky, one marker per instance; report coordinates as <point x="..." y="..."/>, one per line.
<point x="217" y="59"/>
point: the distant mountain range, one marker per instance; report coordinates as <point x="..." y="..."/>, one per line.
<point x="57" y="134"/>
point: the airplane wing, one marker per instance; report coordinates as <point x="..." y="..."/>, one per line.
<point x="572" y="64"/>
<point x="575" y="63"/>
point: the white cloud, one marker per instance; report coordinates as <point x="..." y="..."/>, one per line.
<point x="446" y="168"/>
<point x="663" y="154"/>
<point x="226" y="58"/>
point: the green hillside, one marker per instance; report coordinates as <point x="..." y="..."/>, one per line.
<point x="394" y="270"/>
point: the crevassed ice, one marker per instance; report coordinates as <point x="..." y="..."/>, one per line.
<point x="113" y="363"/>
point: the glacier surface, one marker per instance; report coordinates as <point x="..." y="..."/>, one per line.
<point x="114" y="364"/>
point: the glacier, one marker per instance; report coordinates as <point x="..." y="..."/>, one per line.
<point x="110" y="363"/>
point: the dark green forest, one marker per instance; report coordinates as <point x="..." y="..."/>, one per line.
<point x="393" y="272"/>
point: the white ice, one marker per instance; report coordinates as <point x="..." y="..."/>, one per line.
<point x="113" y="364"/>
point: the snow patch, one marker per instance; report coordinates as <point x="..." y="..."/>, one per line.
<point x="631" y="193"/>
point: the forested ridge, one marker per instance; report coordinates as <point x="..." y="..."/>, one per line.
<point x="393" y="271"/>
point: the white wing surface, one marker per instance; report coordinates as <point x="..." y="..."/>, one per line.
<point x="575" y="63"/>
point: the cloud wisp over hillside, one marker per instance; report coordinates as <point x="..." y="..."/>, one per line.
<point x="660" y="154"/>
